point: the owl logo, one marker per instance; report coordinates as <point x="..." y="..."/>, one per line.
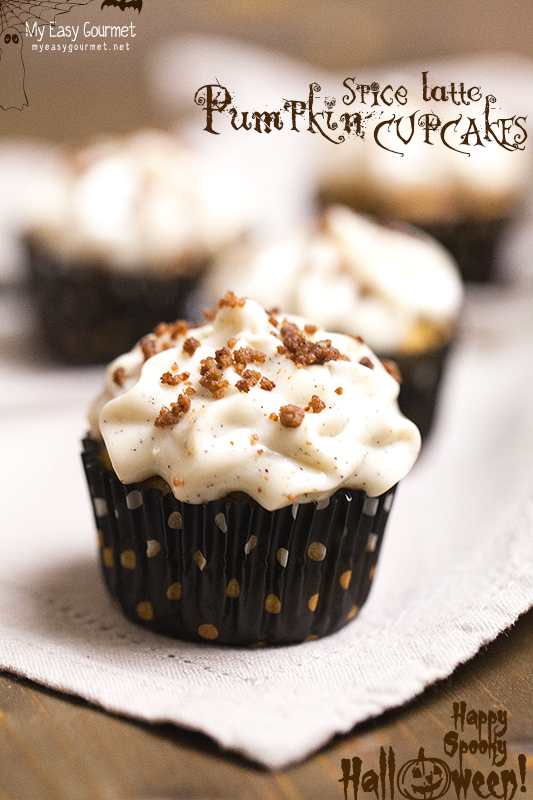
<point x="12" y="92"/>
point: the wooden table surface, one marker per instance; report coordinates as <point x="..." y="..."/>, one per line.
<point x="54" y="747"/>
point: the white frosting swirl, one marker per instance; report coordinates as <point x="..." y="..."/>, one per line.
<point x="143" y="201"/>
<point x="353" y="275"/>
<point x="350" y="435"/>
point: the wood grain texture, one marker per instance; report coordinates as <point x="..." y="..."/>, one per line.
<point x="53" y="747"/>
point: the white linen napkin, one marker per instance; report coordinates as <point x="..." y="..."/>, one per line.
<point x="455" y="570"/>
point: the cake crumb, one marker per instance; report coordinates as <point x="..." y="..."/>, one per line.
<point x="291" y="416"/>
<point x="178" y="482"/>
<point x="393" y="369"/>
<point x="173" y="415"/>
<point x="119" y="376"/>
<point x="191" y="345"/>
<point x="316" y="405"/>
<point x="366" y="362"/>
<point x="339" y="390"/>
<point x="230" y="300"/>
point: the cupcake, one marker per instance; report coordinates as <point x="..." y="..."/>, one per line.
<point x="241" y="474"/>
<point x="464" y="199"/>
<point x="394" y="286"/>
<point x="119" y="239"/>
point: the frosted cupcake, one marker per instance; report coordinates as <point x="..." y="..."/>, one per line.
<point x="464" y="199"/>
<point x="241" y="475"/>
<point x="120" y="237"/>
<point x="395" y="287"/>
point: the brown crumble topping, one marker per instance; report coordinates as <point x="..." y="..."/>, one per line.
<point x="174" y="367"/>
<point x="119" y="376"/>
<point x="291" y="416"/>
<point x="230" y="300"/>
<point x="266" y="384"/>
<point x="302" y="351"/>
<point x="209" y="314"/>
<point x="274" y="417"/>
<point x="339" y="390"/>
<point x="316" y="405"/>
<point x="212" y="379"/>
<point x="249" y="378"/>
<point x="172" y="415"/>
<point x="148" y="347"/>
<point x="366" y="362"/>
<point x="357" y="338"/>
<point x="291" y="498"/>
<point x="190" y="391"/>
<point x="190" y="345"/>
<point x="223" y="358"/>
<point x="260" y="453"/>
<point x="254" y="438"/>
<point x="246" y="355"/>
<point x="232" y="342"/>
<point x="178" y="482"/>
<point x="273" y="321"/>
<point x="173" y="380"/>
<point x="393" y="369"/>
<point x="310" y="329"/>
<point x="173" y="329"/>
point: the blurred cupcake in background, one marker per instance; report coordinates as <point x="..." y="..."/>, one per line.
<point x="465" y="199"/>
<point x="119" y="238"/>
<point x="393" y="286"/>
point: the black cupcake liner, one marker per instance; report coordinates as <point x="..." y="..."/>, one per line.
<point x="422" y="375"/>
<point x="229" y="571"/>
<point x="473" y="243"/>
<point x="89" y="314"/>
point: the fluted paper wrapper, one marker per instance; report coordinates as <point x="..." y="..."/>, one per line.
<point x="90" y="314"/>
<point x="229" y="571"/>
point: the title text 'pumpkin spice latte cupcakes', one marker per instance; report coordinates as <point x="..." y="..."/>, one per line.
<point x="119" y="237"/>
<point x="394" y="286"/>
<point x="241" y="475"/>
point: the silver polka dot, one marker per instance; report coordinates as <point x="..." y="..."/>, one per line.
<point x="324" y="503"/>
<point x="388" y="502"/>
<point x="220" y="522"/>
<point x="283" y="556"/>
<point x="134" y="500"/>
<point x="295" y="508"/>
<point x="100" y="506"/>
<point x="250" y="544"/>
<point x="371" y="506"/>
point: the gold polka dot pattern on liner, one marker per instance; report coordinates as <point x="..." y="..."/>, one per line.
<point x="199" y="559"/>
<point x="272" y="604"/>
<point x="127" y="559"/>
<point x="208" y="631"/>
<point x="233" y="589"/>
<point x="311" y="638"/>
<point x="317" y="551"/>
<point x="175" y="521"/>
<point x="345" y="578"/>
<point x="107" y="557"/>
<point x="174" y="591"/>
<point x="312" y="602"/>
<point x="100" y="537"/>
<point x="250" y="544"/>
<point x="352" y="613"/>
<point x="153" y="548"/>
<point x="144" y="610"/>
<point x="372" y="572"/>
